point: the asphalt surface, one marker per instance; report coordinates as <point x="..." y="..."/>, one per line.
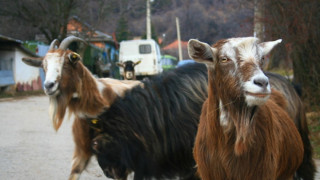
<point x="31" y="149"/>
<point x="29" y="146"/>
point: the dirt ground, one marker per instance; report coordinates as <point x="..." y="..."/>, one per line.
<point x="31" y="149"/>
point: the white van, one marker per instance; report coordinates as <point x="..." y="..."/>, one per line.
<point x="147" y="51"/>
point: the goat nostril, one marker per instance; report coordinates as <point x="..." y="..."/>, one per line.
<point x="48" y="85"/>
<point x="261" y="82"/>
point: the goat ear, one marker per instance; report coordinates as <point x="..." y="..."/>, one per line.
<point x="74" y="57"/>
<point x="138" y="62"/>
<point x="36" y="62"/>
<point x="120" y="64"/>
<point x="268" y="46"/>
<point x="201" y="52"/>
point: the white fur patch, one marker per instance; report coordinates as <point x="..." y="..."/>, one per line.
<point x="223" y="115"/>
<point x="241" y="50"/>
<point x="246" y="47"/>
<point x="252" y="88"/>
<point x="53" y="104"/>
<point x="53" y="64"/>
<point x="129" y="74"/>
<point x="75" y="95"/>
<point x="100" y="86"/>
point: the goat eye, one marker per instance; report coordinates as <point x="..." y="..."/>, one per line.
<point x="74" y="57"/>
<point x="224" y="60"/>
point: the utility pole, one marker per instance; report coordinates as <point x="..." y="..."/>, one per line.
<point x="179" y="39"/>
<point x="148" y="20"/>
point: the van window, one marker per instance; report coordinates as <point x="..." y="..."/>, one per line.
<point x="145" y="49"/>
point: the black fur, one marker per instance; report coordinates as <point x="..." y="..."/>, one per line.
<point x="151" y="130"/>
<point x="129" y="66"/>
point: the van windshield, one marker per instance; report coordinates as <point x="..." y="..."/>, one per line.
<point x="145" y="49"/>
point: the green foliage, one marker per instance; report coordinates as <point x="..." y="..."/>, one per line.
<point x="314" y="127"/>
<point x="122" y="31"/>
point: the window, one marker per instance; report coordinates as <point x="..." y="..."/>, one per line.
<point x="6" y="64"/>
<point x="145" y="49"/>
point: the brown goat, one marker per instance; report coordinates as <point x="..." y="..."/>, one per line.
<point x="70" y="85"/>
<point x="245" y="131"/>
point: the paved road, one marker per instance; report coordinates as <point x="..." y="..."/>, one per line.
<point x="29" y="146"/>
<point x="31" y="149"/>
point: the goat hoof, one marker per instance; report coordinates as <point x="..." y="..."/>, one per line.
<point x="74" y="176"/>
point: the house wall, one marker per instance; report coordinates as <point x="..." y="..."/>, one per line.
<point x="27" y="78"/>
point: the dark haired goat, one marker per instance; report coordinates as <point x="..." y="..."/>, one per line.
<point x="151" y="130"/>
<point x="128" y="69"/>
<point x="154" y="137"/>
<point x="296" y="111"/>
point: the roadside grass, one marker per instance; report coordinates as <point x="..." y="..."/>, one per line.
<point x="313" y="119"/>
<point x="20" y="94"/>
<point x="283" y="72"/>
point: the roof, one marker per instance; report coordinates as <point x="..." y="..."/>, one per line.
<point x="174" y="45"/>
<point x="8" y="41"/>
<point x="139" y="40"/>
<point x="90" y="34"/>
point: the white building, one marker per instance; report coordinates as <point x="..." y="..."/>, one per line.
<point x="13" y="72"/>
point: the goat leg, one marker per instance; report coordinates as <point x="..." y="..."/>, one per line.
<point x="82" y="151"/>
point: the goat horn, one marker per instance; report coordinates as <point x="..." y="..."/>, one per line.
<point x="67" y="41"/>
<point x="53" y="44"/>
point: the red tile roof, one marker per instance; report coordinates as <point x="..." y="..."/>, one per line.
<point x="174" y="45"/>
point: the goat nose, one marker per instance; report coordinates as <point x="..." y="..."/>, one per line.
<point x="261" y="82"/>
<point x="49" y="85"/>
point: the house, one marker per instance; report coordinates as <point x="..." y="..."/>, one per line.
<point x="13" y="72"/>
<point x="173" y="49"/>
<point x="101" y="55"/>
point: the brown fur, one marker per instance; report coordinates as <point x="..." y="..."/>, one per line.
<point x="296" y="111"/>
<point x="264" y="152"/>
<point x="78" y="91"/>
<point x="256" y="141"/>
<point x="76" y="80"/>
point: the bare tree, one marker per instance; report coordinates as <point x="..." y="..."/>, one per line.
<point x="297" y="22"/>
<point x="48" y="17"/>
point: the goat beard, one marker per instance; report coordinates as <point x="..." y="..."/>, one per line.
<point x="244" y="131"/>
<point x="57" y="110"/>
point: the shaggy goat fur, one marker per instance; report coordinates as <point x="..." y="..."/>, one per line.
<point x="128" y="130"/>
<point x="296" y="111"/>
<point x="245" y="131"/>
<point x="151" y="130"/>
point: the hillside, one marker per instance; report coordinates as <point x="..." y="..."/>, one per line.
<point x="206" y="20"/>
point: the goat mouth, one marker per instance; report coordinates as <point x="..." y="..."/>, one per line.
<point x="258" y="95"/>
<point x="52" y="93"/>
